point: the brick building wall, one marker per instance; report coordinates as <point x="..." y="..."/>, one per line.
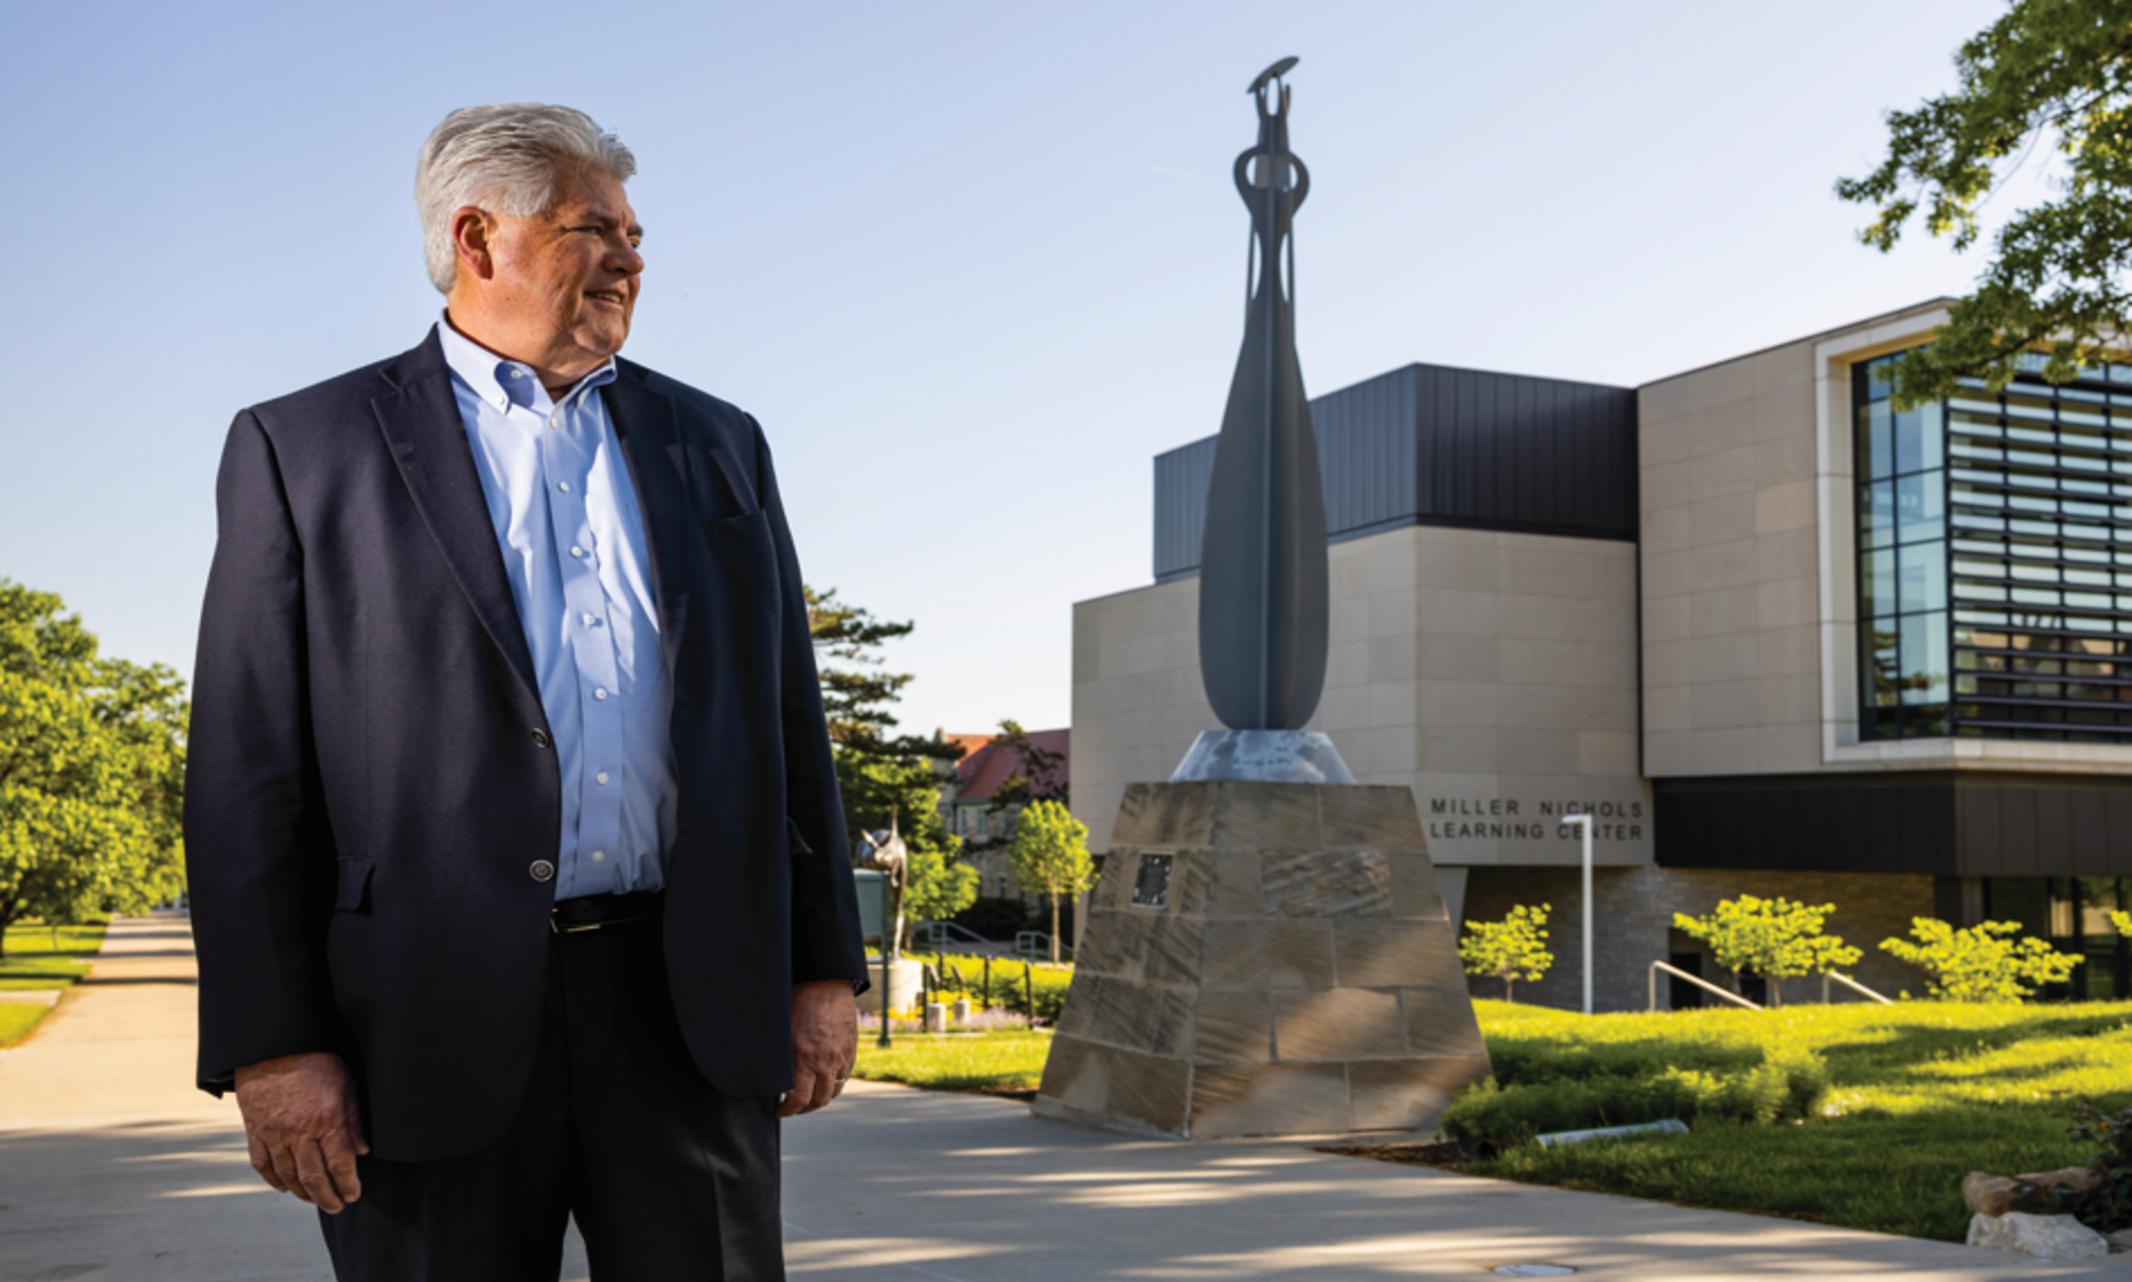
<point x="1634" y="908"/>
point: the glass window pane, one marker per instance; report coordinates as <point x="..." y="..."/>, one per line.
<point x="1920" y="505"/>
<point x="1919" y="439"/>
<point x="1922" y="568"/>
<point x="1876" y="441"/>
<point x="1883" y="661"/>
<point x="1878" y="383"/>
<point x="1924" y="658"/>
<point x="1879" y="585"/>
<point x="1878" y="517"/>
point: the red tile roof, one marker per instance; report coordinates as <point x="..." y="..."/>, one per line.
<point x="984" y="767"/>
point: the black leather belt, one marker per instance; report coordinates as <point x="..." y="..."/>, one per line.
<point x="591" y="912"/>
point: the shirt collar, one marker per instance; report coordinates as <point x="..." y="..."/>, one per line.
<point x="502" y="382"/>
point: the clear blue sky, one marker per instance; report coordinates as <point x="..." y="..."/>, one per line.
<point x="972" y="265"/>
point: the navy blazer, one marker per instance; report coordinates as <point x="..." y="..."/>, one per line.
<point x="371" y="777"/>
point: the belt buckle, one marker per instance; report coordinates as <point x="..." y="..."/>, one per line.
<point x="571" y="930"/>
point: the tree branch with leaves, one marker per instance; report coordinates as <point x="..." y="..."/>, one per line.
<point x="2052" y="76"/>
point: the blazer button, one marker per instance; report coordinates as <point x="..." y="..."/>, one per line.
<point x="541" y="739"/>
<point x="542" y="870"/>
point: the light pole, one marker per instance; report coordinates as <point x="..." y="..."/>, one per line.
<point x="1585" y="822"/>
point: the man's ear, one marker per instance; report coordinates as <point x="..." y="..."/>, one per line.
<point x="472" y="233"/>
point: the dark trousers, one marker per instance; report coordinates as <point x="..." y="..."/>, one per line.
<point x="669" y="1181"/>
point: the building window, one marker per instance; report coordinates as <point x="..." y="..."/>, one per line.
<point x="1995" y="559"/>
<point x="1902" y="562"/>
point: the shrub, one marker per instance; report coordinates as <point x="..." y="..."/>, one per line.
<point x="2107" y="1207"/>
<point x="1512" y="949"/>
<point x="1981" y="964"/>
<point x="1774" y="938"/>
<point x="1761" y="1092"/>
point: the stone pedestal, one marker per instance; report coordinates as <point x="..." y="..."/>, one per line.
<point x="1264" y="959"/>
<point x="906" y="981"/>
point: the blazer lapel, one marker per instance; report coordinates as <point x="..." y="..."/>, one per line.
<point x="644" y="422"/>
<point x="421" y="423"/>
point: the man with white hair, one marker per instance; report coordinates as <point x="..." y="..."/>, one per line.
<point x="519" y="875"/>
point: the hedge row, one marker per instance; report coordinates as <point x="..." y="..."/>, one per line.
<point x="1788" y="1088"/>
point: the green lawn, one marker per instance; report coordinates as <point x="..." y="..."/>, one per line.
<point x="17" y="1019"/>
<point x="31" y="961"/>
<point x="1921" y="1094"/>
<point x="957" y="1061"/>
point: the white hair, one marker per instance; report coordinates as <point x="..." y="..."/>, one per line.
<point x="505" y="159"/>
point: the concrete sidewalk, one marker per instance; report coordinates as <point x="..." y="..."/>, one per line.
<point x="113" y="1170"/>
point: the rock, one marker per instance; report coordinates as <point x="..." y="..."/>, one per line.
<point x="1992" y="1195"/>
<point x="2079" y="1178"/>
<point x="2120" y="1241"/>
<point x="2047" y="1237"/>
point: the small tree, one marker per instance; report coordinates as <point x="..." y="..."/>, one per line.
<point x="1050" y="857"/>
<point x="1512" y="949"/>
<point x="937" y="883"/>
<point x="1774" y="938"/>
<point x="1982" y="963"/>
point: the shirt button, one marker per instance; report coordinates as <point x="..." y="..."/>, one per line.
<point x="564" y="487"/>
<point x="600" y="693"/>
<point x="577" y="551"/>
<point x="589" y="620"/>
<point x="599" y="856"/>
<point x="540" y="738"/>
<point x="600" y="778"/>
<point x="542" y="870"/>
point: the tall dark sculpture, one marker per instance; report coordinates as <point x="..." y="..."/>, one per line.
<point x="1262" y="585"/>
<point x="1266" y="953"/>
<point x="1263" y="594"/>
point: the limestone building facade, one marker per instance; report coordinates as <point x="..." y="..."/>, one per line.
<point x="1777" y="636"/>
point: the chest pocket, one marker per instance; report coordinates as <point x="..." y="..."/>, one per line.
<point x="723" y="486"/>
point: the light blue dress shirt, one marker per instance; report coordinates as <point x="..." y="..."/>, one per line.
<point x="566" y="518"/>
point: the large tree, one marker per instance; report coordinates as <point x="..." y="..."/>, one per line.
<point x="888" y="780"/>
<point x="92" y="763"/>
<point x="2052" y="77"/>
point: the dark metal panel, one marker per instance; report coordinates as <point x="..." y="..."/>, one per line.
<point x="1427" y="444"/>
<point x="1366" y="448"/>
<point x="2053" y="832"/>
<point x="1916" y="807"/>
<point x="1981" y="853"/>
<point x="1884" y="828"/>
<point x="1847" y="813"/>
<point x="1787" y="824"/>
<point x="2088" y="841"/>
<point x="1181" y="477"/>
<point x="1750" y="831"/>
<point x="2120" y="833"/>
<point x="2017" y="834"/>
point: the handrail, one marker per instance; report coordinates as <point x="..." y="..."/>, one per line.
<point x="1696" y="980"/>
<point x="938" y="932"/>
<point x="1852" y="984"/>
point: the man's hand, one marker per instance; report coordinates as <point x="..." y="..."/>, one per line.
<point x="301" y="1124"/>
<point x="825" y="1044"/>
